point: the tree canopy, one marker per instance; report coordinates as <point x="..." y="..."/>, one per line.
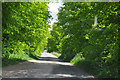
<point x="98" y="45"/>
<point x="86" y="34"/>
<point x="25" y="28"/>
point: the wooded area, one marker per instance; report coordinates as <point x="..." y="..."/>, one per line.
<point x="80" y="41"/>
<point x="92" y="48"/>
<point x="25" y="29"/>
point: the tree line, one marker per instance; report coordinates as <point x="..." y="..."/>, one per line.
<point x="24" y="29"/>
<point x="87" y="34"/>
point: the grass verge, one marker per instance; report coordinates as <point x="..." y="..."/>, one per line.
<point x="94" y="69"/>
<point x="56" y="54"/>
<point x="15" y="58"/>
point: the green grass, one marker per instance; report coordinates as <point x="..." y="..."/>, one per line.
<point x="14" y="59"/>
<point x="93" y="68"/>
<point x="77" y="58"/>
<point x="84" y="64"/>
<point x="56" y="54"/>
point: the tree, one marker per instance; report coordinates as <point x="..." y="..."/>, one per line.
<point x="25" y="28"/>
<point x="98" y="45"/>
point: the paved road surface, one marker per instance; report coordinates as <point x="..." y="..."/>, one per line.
<point x="48" y="66"/>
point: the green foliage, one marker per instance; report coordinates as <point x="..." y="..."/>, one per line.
<point x="97" y="45"/>
<point x="15" y="58"/>
<point x="55" y="40"/>
<point x="78" y="57"/>
<point x="24" y="28"/>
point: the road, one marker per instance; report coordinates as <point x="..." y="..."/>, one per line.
<point x="47" y="66"/>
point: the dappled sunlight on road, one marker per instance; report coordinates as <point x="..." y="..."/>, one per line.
<point x="50" y="62"/>
<point x="47" y="66"/>
<point x="25" y="74"/>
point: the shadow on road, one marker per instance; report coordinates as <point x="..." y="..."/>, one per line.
<point x="44" y="67"/>
<point x="49" y="59"/>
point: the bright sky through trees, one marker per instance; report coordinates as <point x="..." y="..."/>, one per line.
<point x="53" y="8"/>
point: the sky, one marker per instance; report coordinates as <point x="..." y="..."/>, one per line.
<point x="53" y="8"/>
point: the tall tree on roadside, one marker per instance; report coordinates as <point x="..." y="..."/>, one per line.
<point x="24" y="27"/>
